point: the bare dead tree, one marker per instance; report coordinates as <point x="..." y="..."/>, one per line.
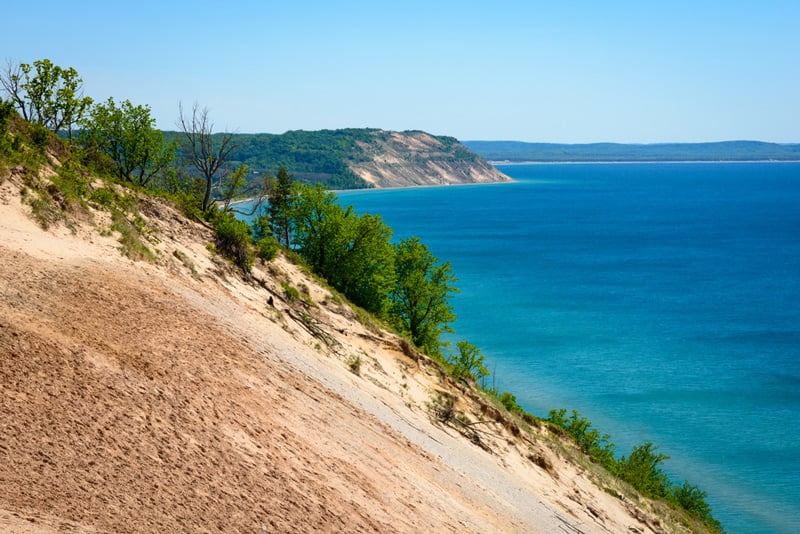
<point x="204" y="154"/>
<point x="11" y="79"/>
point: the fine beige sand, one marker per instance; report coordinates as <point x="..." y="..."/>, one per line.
<point x="172" y="397"/>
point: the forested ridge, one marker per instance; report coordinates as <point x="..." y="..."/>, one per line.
<point x="518" y="151"/>
<point x="328" y="157"/>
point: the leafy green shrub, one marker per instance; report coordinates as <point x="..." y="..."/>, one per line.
<point x="468" y="363"/>
<point x="232" y="239"/>
<point x="40" y="136"/>
<point x="267" y="248"/>
<point x="641" y="470"/>
<point x="130" y="238"/>
<point x="508" y="400"/>
<point x="70" y="184"/>
<point x="693" y="500"/>
<point x="6" y="110"/>
<point x="290" y="292"/>
<point x="43" y="210"/>
<point x="103" y="197"/>
<point x="589" y="439"/>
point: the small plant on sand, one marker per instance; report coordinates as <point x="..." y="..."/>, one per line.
<point x="290" y="292"/>
<point x="354" y="364"/>
<point x="442" y="407"/>
<point x="130" y="238"/>
<point x="103" y="197"/>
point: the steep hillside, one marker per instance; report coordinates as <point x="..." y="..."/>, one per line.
<point x="356" y="158"/>
<point x="175" y="395"/>
<point x="394" y="159"/>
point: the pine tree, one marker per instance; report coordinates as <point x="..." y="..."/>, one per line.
<point x="280" y="207"/>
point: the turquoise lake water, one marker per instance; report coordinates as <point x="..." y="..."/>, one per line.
<point x="662" y="301"/>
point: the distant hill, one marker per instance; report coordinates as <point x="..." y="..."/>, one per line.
<point x="360" y="158"/>
<point x="516" y="151"/>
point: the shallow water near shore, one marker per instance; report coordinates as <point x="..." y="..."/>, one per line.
<point x="662" y="301"/>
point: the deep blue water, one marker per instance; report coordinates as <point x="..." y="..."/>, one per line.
<point x="662" y="301"/>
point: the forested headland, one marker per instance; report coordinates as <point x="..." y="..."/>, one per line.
<point x="355" y="158"/>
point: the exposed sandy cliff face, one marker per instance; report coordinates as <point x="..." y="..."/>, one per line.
<point x="172" y="397"/>
<point x="404" y="159"/>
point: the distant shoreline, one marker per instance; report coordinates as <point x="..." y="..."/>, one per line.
<point x="631" y="162"/>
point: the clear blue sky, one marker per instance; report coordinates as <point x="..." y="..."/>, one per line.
<point x="558" y="71"/>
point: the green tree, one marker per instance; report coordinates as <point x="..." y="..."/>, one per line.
<point x="203" y="152"/>
<point x="468" y="363"/>
<point x="127" y="134"/>
<point x="46" y="94"/>
<point x="352" y="253"/>
<point x="642" y="471"/>
<point x="6" y="111"/>
<point x="419" y="304"/>
<point x="318" y="222"/>
<point x="280" y="207"/>
<point x="260" y="226"/>
<point x="365" y="271"/>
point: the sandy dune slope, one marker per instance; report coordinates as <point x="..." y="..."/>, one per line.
<point x="171" y="397"/>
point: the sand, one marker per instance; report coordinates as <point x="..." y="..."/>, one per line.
<point x="171" y="397"/>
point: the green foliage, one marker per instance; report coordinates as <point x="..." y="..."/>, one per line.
<point x="509" y="401"/>
<point x="589" y="439"/>
<point x="231" y="185"/>
<point x="43" y="209"/>
<point x="103" y="196"/>
<point x="185" y="191"/>
<point x="353" y="253"/>
<point x="419" y="305"/>
<point x="468" y="363"/>
<point x="641" y="469"/>
<point x="291" y="293"/>
<point x="281" y="202"/>
<point x="693" y="500"/>
<point x="71" y="184"/>
<point x="267" y="248"/>
<point x="46" y="94"/>
<point x="260" y="227"/>
<point x="312" y="157"/>
<point x="233" y="240"/>
<point x="40" y="136"/>
<point x="127" y="134"/>
<point x="6" y="112"/>
<point x="130" y="238"/>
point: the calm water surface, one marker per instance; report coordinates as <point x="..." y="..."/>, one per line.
<point x="662" y="301"/>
